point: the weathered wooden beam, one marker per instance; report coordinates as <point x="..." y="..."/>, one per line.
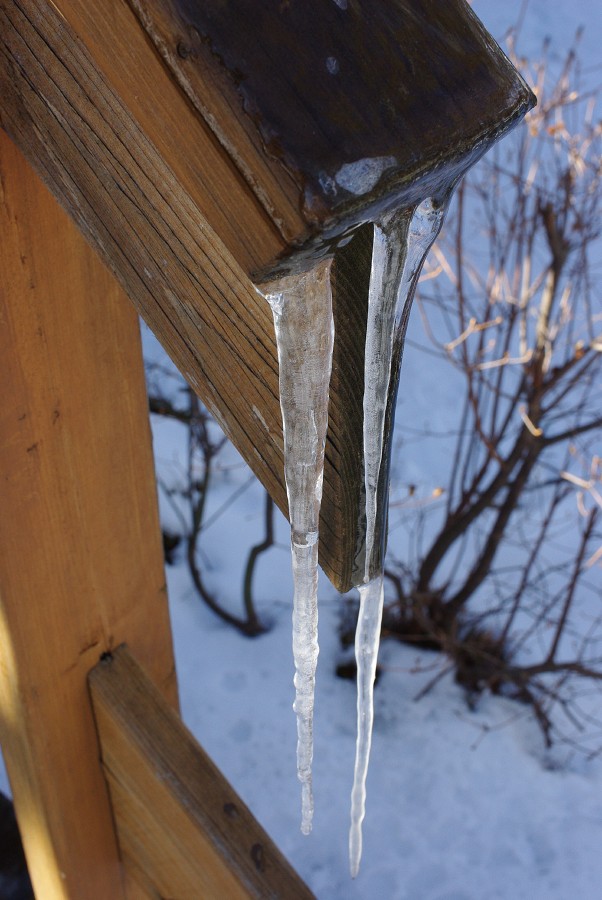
<point x="185" y="206"/>
<point x="183" y="830"/>
<point x="132" y="72"/>
<point x="80" y="544"/>
<point x="338" y="115"/>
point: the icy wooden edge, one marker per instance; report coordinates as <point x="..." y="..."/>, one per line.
<point x="336" y="115"/>
<point x="182" y="829"/>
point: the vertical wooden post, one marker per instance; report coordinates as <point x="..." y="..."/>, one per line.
<point x="80" y="555"/>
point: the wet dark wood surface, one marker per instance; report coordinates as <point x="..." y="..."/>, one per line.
<point x="335" y="109"/>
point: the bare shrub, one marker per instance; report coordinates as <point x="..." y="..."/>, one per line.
<point x="170" y="397"/>
<point x="504" y="576"/>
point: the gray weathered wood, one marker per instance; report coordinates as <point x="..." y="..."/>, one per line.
<point x="335" y="115"/>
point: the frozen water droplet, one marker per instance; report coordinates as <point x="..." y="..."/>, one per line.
<point x="366" y="653"/>
<point x="302" y="309"/>
<point x="332" y="64"/>
<point x="401" y="241"/>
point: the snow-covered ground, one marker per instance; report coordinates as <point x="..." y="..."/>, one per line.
<point x="461" y="804"/>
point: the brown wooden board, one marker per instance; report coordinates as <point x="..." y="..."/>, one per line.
<point x="183" y="830"/>
<point x="80" y="544"/>
<point x="152" y="99"/>
<point x="58" y="107"/>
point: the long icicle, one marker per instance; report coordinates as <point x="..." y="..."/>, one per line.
<point x="401" y="243"/>
<point x="302" y="308"/>
<point x="389" y="254"/>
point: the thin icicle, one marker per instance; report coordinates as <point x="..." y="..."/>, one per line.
<point x="302" y="308"/>
<point x="366" y="652"/>
<point x="401" y="242"/>
<point x="389" y="252"/>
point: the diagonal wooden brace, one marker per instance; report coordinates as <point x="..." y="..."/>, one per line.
<point x="269" y="135"/>
<point x="182" y="829"/>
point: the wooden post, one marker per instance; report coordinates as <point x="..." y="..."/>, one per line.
<point x="80" y="549"/>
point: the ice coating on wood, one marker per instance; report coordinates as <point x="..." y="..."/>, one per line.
<point x="362" y="176"/>
<point x="401" y="242"/>
<point x="302" y="308"/>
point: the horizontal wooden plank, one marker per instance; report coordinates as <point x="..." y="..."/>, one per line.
<point x="183" y="830"/>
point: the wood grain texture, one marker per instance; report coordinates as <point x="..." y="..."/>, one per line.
<point x="57" y="106"/>
<point x="128" y="203"/>
<point x="80" y="545"/>
<point x="182" y="828"/>
<point x="136" y="75"/>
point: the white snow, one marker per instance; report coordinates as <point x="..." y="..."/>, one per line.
<point x="463" y="805"/>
